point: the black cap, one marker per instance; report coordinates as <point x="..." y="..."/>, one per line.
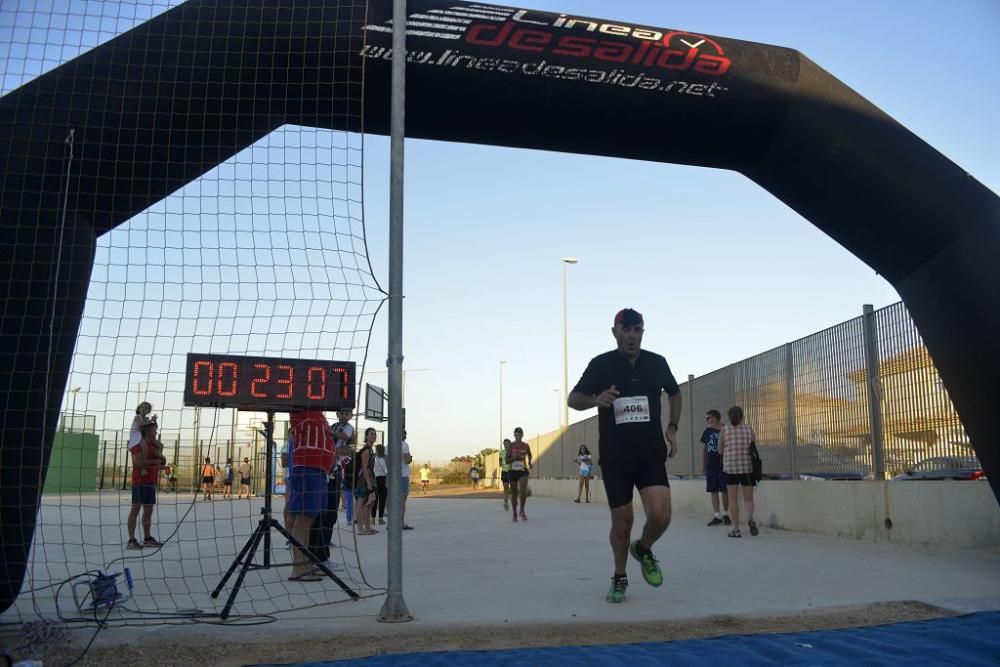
<point x="628" y="317"/>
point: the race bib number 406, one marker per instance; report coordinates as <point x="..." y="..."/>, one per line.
<point x="630" y="409"/>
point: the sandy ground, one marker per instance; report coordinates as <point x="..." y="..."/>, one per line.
<point x="415" y="639"/>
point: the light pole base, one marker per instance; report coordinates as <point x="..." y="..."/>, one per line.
<point x="394" y="610"/>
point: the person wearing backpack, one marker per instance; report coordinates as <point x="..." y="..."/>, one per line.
<point x="735" y="444"/>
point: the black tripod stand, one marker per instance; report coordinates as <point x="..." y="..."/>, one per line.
<point x="263" y="532"/>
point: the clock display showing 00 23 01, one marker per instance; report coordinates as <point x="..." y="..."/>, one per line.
<point x="268" y="383"/>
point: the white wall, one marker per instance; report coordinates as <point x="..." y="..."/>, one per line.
<point x="943" y="513"/>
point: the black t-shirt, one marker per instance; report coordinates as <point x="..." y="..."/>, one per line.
<point x="632" y="439"/>
<point x="710" y="438"/>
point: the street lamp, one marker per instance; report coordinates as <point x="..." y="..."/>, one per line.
<point x="558" y="405"/>
<point x="565" y="408"/>
<point x="72" y="405"/>
<point x="501" y="400"/>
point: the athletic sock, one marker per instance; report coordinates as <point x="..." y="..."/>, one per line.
<point x="619" y="576"/>
<point x="717" y="516"/>
<point x="641" y="550"/>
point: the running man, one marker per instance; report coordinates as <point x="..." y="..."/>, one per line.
<point x="519" y="458"/>
<point x="625" y="386"/>
<point x="505" y="473"/>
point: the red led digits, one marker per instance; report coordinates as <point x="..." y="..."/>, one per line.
<point x="233" y="381"/>
<point x="201" y="376"/>
<point x="260" y="380"/>
<point x="286" y="381"/>
<point x="345" y="381"/>
<point x="310" y="383"/>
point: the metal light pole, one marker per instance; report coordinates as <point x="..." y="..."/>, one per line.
<point x="501" y="400"/>
<point x="558" y="405"/>
<point x="565" y="406"/>
<point x="394" y="608"/>
<point x="72" y="407"/>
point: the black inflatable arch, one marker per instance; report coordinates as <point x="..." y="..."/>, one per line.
<point x="156" y="107"/>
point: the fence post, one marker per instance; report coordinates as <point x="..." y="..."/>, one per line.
<point x="691" y="421"/>
<point x="874" y="390"/>
<point x="104" y="462"/>
<point x="791" y="428"/>
<point x="114" y="469"/>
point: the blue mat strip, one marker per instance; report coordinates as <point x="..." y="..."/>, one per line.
<point x="970" y="640"/>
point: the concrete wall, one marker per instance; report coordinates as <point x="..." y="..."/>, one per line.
<point x="940" y="513"/>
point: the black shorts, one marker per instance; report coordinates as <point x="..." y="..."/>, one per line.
<point x="207" y="480"/>
<point x="244" y="481"/>
<point x="514" y="476"/>
<point x="505" y="476"/>
<point x="229" y="481"/>
<point x="746" y="479"/>
<point x="620" y="478"/>
<point x="143" y="494"/>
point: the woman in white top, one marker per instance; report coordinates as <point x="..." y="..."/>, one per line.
<point x="141" y="419"/>
<point x="381" y="489"/>
<point x="586" y="462"/>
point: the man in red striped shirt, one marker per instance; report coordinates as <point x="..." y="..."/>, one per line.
<point x="312" y="458"/>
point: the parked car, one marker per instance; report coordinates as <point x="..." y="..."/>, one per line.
<point x="944" y="467"/>
<point x="812" y="462"/>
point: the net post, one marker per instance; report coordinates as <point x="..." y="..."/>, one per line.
<point x="394" y="608"/>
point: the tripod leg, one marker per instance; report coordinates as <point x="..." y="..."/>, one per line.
<point x="261" y="527"/>
<point x="316" y="561"/>
<point x="254" y="541"/>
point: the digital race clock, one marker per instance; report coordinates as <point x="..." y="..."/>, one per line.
<point x="266" y="384"/>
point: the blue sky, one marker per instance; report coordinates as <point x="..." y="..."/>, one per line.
<point x="720" y="268"/>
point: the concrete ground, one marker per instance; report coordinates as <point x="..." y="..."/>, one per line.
<point x="468" y="567"/>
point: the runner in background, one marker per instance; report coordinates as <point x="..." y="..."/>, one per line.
<point x="519" y="457"/>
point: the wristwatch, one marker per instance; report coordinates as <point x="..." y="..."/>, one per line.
<point x="672" y="424"/>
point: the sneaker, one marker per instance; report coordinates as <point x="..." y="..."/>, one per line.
<point x="716" y="521"/>
<point x="753" y="527"/>
<point x="151" y="542"/>
<point x="726" y="520"/>
<point x="133" y="545"/>
<point x="524" y="517"/>
<point x="381" y="522"/>
<point x="407" y="527"/>
<point x="650" y="569"/>
<point x="515" y="518"/>
<point x="616" y="594"/>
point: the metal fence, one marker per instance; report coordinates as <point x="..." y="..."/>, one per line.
<point x="860" y="399"/>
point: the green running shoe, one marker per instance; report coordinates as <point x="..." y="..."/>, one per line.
<point x="616" y="593"/>
<point x="650" y="569"/>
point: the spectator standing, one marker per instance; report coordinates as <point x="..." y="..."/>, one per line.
<point x="312" y="458"/>
<point x="147" y="457"/>
<point x="227" y="488"/>
<point x="207" y="479"/>
<point x="381" y="488"/>
<point x="364" y="482"/>
<point x="406" y="461"/>
<point x="246" y="475"/>
<point x="505" y="473"/>
<point x="586" y="463"/>
<point x="142" y="418"/>
<point x="734" y="446"/>
<point x="715" y="477"/>
<point x="474" y="477"/>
